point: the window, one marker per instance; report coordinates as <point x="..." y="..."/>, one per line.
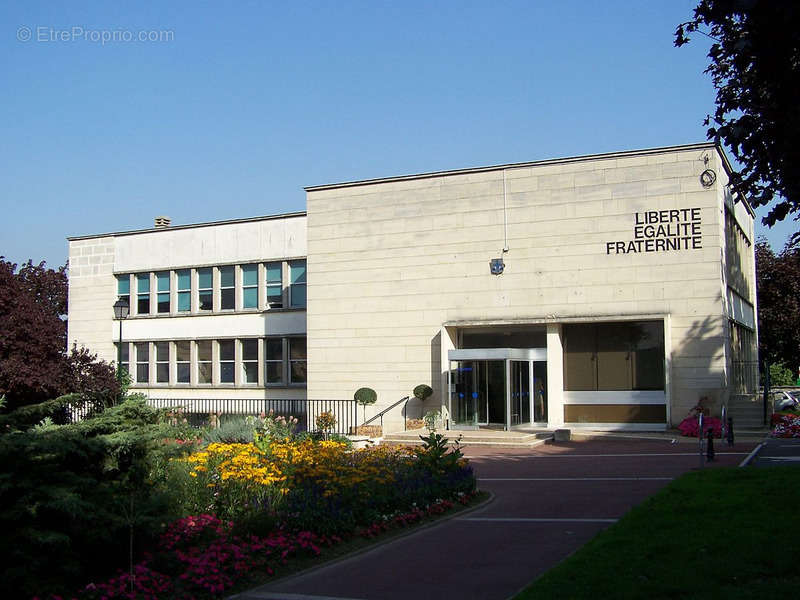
<point x="227" y="288"/>
<point x="205" y="291"/>
<point x="143" y="294"/>
<point x="124" y="358"/>
<point x="227" y="359"/>
<point x="273" y="351"/>
<point x="124" y="288"/>
<point x="249" y="286"/>
<point x="249" y="361"/>
<point x="142" y="362"/>
<point x="297" y="283"/>
<point x="162" y="291"/>
<point x="274" y="285"/>
<point x="184" y="277"/>
<point x="183" y="361"/>
<point x="297" y="360"/>
<point x="204" y="361"/>
<point x="162" y="362"/>
<point x="614" y="356"/>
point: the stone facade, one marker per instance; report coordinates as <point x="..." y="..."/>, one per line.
<point x="398" y="265"/>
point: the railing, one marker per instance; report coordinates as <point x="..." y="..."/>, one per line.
<point x="386" y="410"/>
<point x="198" y="411"/>
<point x="744" y="377"/>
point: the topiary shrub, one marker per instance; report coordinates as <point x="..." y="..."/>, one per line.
<point x="423" y="392"/>
<point x="365" y="396"/>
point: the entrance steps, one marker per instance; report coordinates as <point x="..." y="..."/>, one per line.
<point x="476" y="437"/>
<point x="747" y="412"/>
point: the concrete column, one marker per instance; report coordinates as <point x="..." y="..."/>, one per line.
<point x="555" y="376"/>
<point x="447" y="339"/>
<point x="508" y="395"/>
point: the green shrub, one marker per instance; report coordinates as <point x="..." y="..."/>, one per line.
<point x="365" y="396"/>
<point x="432" y="418"/>
<point x="72" y="498"/>
<point x="780" y="376"/>
<point x="237" y="430"/>
<point x="423" y="392"/>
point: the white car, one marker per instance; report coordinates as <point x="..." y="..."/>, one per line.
<point x="783" y="400"/>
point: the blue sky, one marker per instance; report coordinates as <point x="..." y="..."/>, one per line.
<point x="242" y="104"/>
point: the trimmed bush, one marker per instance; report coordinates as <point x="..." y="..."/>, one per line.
<point x="423" y="392"/>
<point x="365" y="396"/>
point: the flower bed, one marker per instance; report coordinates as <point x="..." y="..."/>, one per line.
<point x="201" y="557"/>
<point x="253" y="506"/>
<point x="690" y="426"/>
<point x="786" y="425"/>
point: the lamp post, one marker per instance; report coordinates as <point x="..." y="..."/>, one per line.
<point x="121" y="310"/>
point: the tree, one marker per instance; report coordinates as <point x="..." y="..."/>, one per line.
<point x="34" y="364"/>
<point x="365" y="396"/>
<point x="755" y="67"/>
<point x="778" y="289"/>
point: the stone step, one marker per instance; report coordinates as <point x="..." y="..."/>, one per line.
<point x="475" y="437"/>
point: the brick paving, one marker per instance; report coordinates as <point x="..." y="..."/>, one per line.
<point x="548" y="501"/>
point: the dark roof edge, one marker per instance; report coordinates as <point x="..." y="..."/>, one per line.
<point x="189" y="226"/>
<point x="549" y="161"/>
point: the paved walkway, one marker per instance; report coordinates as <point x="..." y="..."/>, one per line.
<point x="778" y="451"/>
<point x="548" y="501"/>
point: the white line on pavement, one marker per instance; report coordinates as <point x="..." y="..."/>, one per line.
<point x="575" y="478"/>
<point x="532" y="520"/>
<point x="599" y="455"/>
<point x="256" y="595"/>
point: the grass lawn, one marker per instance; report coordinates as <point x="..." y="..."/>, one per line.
<point x="717" y="533"/>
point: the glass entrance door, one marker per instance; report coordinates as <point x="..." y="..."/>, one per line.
<point x="520" y="392"/>
<point x="477" y="392"/>
<point x="498" y="392"/>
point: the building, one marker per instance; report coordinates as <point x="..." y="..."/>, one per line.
<point x="217" y="310"/>
<point x="604" y="291"/>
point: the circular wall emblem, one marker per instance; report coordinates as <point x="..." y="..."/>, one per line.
<point x="707" y="178"/>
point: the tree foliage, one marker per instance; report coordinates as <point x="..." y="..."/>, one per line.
<point x="70" y="495"/>
<point x="755" y="68"/>
<point x="778" y="285"/>
<point x="34" y="363"/>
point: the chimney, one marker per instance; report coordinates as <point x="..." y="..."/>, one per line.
<point x="162" y="222"/>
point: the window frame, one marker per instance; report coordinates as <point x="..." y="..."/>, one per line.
<point x="243" y="342"/>
<point x="161" y="276"/>
<point x="181" y="293"/>
<point x="274" y="284"/>
<point x="186" y="363"/>
<point x="160" y="362"/>
<point x="290" y="361"/>
<point x="246" y="269"/>
<point x="227" y="292"/>
<point x="222" y="364"/>
<point x="138" y="346"/>
<point x="209" y="362"/>
<point x="295" y="286"/>
<point x="201" y="291"/>
<point x="143" y="296"/>
<point x="281" y="362"/>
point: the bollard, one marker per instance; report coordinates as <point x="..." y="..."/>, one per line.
<point x="730" y="431"/>
<point x="710" y="452"/>
<point x="700" y="437"/>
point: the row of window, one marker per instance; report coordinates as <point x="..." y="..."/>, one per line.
<point x="255" y="286"/>
<point x="258" y="362"/>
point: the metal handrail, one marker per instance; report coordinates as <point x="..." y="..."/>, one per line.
<point x="387" y="409"/>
